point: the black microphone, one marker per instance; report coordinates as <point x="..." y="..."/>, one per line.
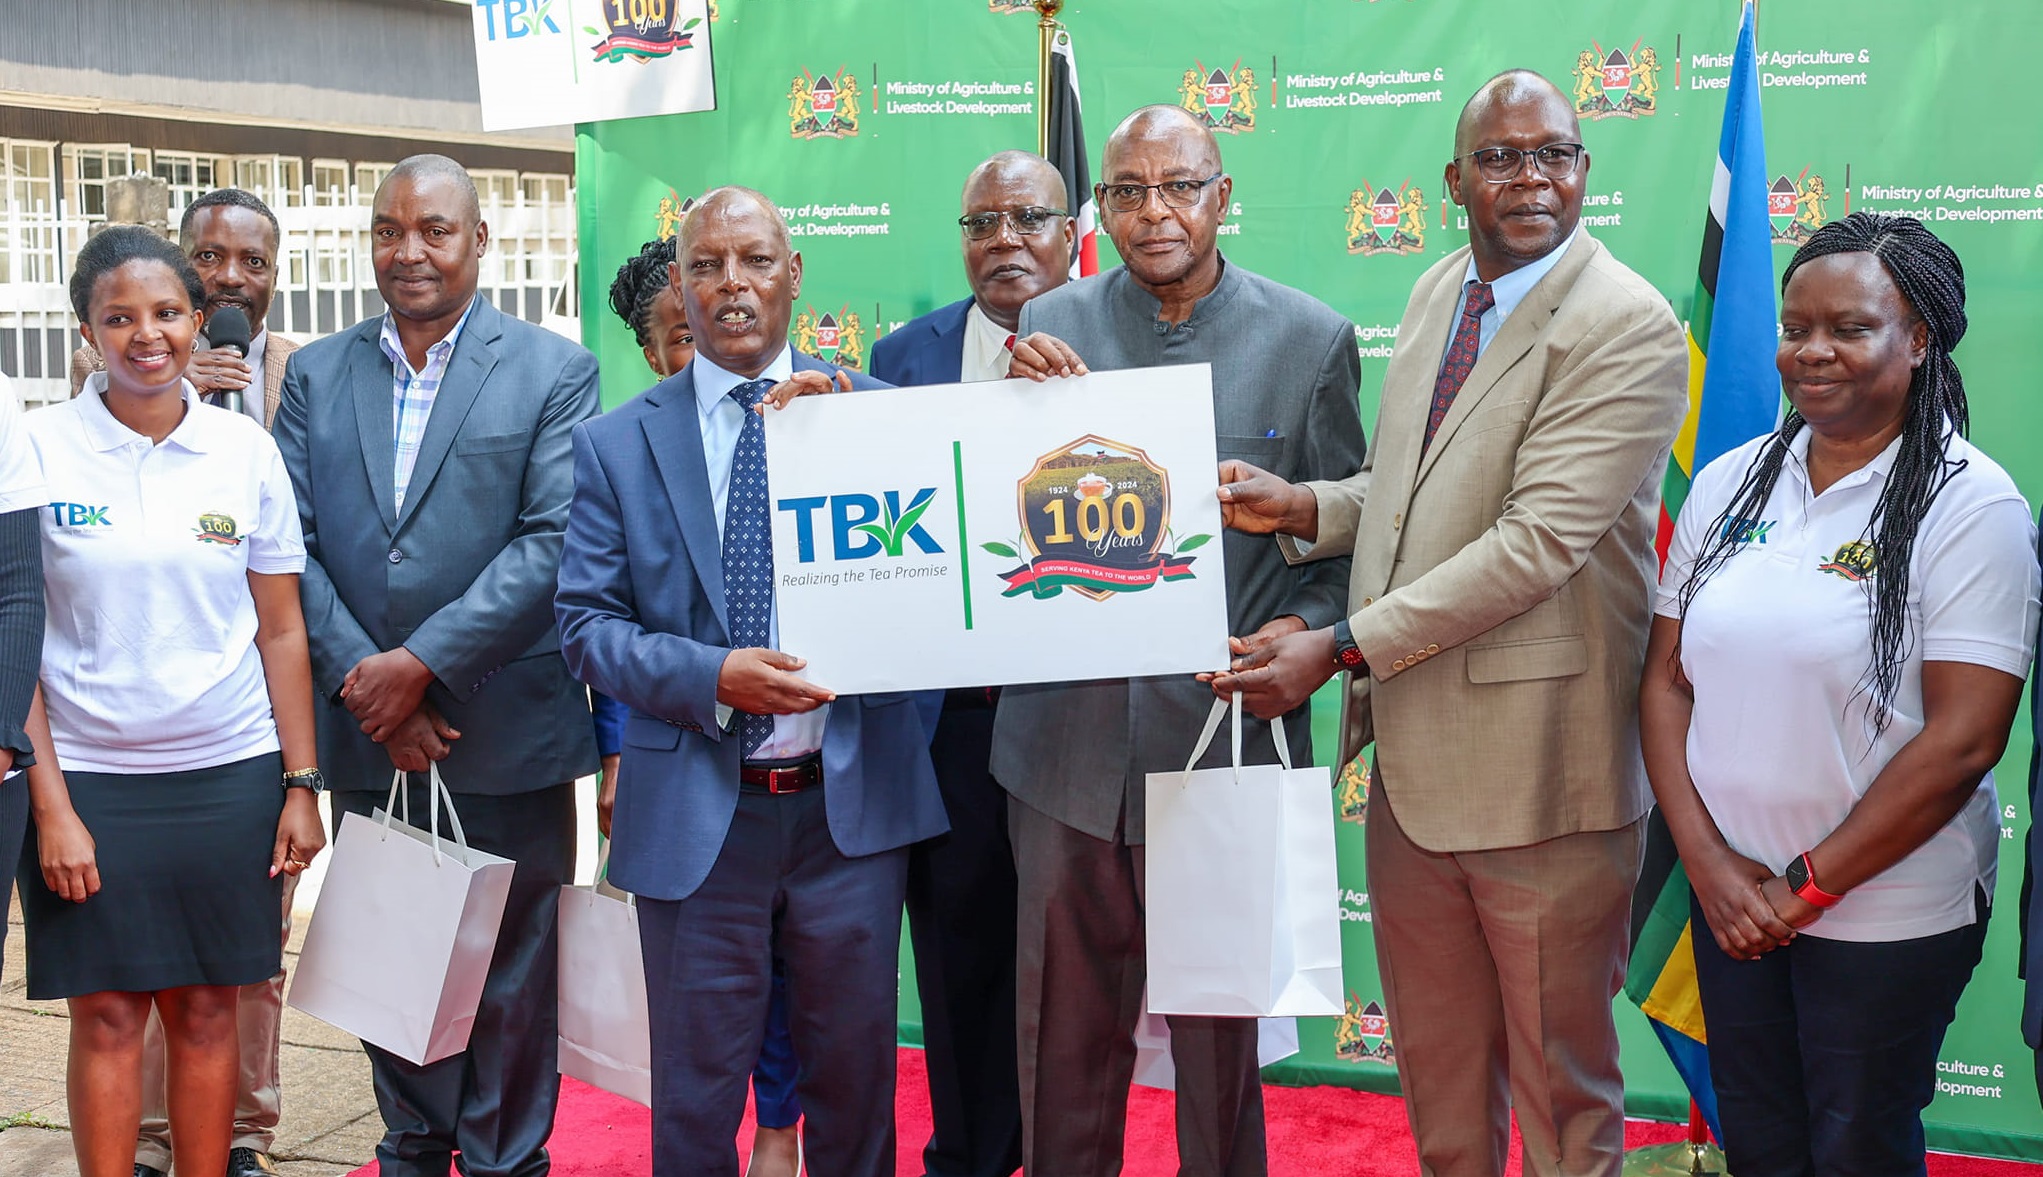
<point x="228" y="328"/>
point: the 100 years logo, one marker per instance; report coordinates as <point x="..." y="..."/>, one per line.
<point x="1095" y="518"/>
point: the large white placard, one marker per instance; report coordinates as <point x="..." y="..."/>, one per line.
<point x="1005" y="532"/>
<point x="545" y="62"/>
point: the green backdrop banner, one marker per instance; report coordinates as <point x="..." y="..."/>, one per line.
<point x="860" y="119"/>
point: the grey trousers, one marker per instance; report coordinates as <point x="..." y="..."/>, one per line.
<point x="258" y="1022"/>
<point x="1081" y="970"/>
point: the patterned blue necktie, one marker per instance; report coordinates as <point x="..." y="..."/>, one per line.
<point x="748" y="551"/>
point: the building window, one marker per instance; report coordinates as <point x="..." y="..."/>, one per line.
<point x="87" y="168"/>
<point x="189" y="176"/>
<point x="329" y="182"/>
<point x="278" y="179"/>
<point x="543" y="187"/>
<point x="29" y="228"/>
<point x="500" y="188"/>
<point x="368" y="178"/>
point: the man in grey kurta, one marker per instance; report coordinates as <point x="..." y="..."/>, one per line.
<point x="1073" y="756"/>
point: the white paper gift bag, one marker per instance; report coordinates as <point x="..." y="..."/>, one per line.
<point x="605" y="1033"/>
<point x="1243" y="900"/>
<point x="401" y="939"/>
<point x="1276" y="1040"/>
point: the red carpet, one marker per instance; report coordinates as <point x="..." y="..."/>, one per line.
<point x="1313" y="1132"/>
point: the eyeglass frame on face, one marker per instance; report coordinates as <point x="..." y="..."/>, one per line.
<point x="1519" y="156"/>
<point x="990" y="228"/>
<point x="1197" y="193"/>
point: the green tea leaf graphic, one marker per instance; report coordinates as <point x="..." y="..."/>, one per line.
<point x="1001" y="549"/>
<point x="692" y="22"/>
<point x="879" y="533"/>
<point x="592" y="30"/>
<point x="1193" y="541"/>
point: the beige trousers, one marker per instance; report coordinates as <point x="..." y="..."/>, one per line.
<point x="1499" y="967"/>
<point x="258" y="1020"/>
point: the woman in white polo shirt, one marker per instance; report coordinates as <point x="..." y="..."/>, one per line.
<point x="179" y="697"/>
<point x="1844" y="625"/>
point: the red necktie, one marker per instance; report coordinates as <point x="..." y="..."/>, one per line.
<point x="1461" y="356"/>
<point x="1009" y="345"/>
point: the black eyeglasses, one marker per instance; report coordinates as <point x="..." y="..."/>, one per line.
<point x="1501" y="165"/>
<point x="1026" y="222"/>
<point x="1126" y="198"/>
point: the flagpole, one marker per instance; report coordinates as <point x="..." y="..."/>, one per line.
<point x="1046" y="29"/>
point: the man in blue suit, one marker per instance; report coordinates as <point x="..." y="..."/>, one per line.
<point x="961" y="886"/>
<point x="757" y="813"/>
<point x="429" y="450"/>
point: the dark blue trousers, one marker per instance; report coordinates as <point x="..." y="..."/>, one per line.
<point x="494" y="1101"/>
<point x="780" y="889"/>
<point x="961" y="917"/>
<point x="1824" y="1053"/>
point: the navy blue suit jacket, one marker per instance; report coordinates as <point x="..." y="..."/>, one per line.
<point x="643" y="620"/>
<point x="929" y="349"/>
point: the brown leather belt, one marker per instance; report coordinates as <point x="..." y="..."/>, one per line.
<point x="786" y="778"/>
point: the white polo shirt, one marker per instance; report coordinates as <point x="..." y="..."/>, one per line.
<point x="149" y="658"/>
<point x="1777" y="643"/>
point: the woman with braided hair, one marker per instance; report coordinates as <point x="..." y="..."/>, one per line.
<point x="1843" y="628"/>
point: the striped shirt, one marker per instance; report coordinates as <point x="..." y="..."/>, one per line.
<point x="412" y="394"/>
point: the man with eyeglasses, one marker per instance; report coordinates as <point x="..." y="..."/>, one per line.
<point x="1502" y="539"/>
<point x="961" y="885"/>
<point x="1073" y="756"/>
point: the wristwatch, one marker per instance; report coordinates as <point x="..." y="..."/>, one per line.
<point x="1347" y="655"/>
<point x="1801" y="877"/>
<point x="306" y="778"/>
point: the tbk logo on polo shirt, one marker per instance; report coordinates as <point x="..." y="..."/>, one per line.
<point x="78" y="515"/>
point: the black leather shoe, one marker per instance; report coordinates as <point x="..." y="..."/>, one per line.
<point x="246" y="1162"/>
<point x="142" y="1170"/>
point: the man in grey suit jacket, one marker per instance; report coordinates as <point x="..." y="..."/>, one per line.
<point x="1073" y="756"/>
<point x="430" y="452"/>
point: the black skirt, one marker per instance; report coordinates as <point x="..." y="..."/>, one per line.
<point x="185" y="895"/>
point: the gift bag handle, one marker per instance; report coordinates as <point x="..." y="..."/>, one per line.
<point x="1222" y="707"/>
<point x="400" y="796"/>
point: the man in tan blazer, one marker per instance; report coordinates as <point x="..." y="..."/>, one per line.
<point x="232" y="238"/>
<point x="1502" y="533"/>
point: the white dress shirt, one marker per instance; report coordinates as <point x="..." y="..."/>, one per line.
<point x="986" y="348"/>
<point x="722" y="420"/>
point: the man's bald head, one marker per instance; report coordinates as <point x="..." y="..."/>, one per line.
<point x="418" y="169"/>
<point x="1515" y="87"/>
<point x="1017" y="169"/>
<point x="732" y="199"/>
<point x="1162" y="121"/>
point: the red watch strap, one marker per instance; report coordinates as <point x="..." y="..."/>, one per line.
<point x="1809" y="892"/>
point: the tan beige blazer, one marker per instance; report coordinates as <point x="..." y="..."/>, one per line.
<point x="85" y="361"/>
<point x="1502" y="582"/>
